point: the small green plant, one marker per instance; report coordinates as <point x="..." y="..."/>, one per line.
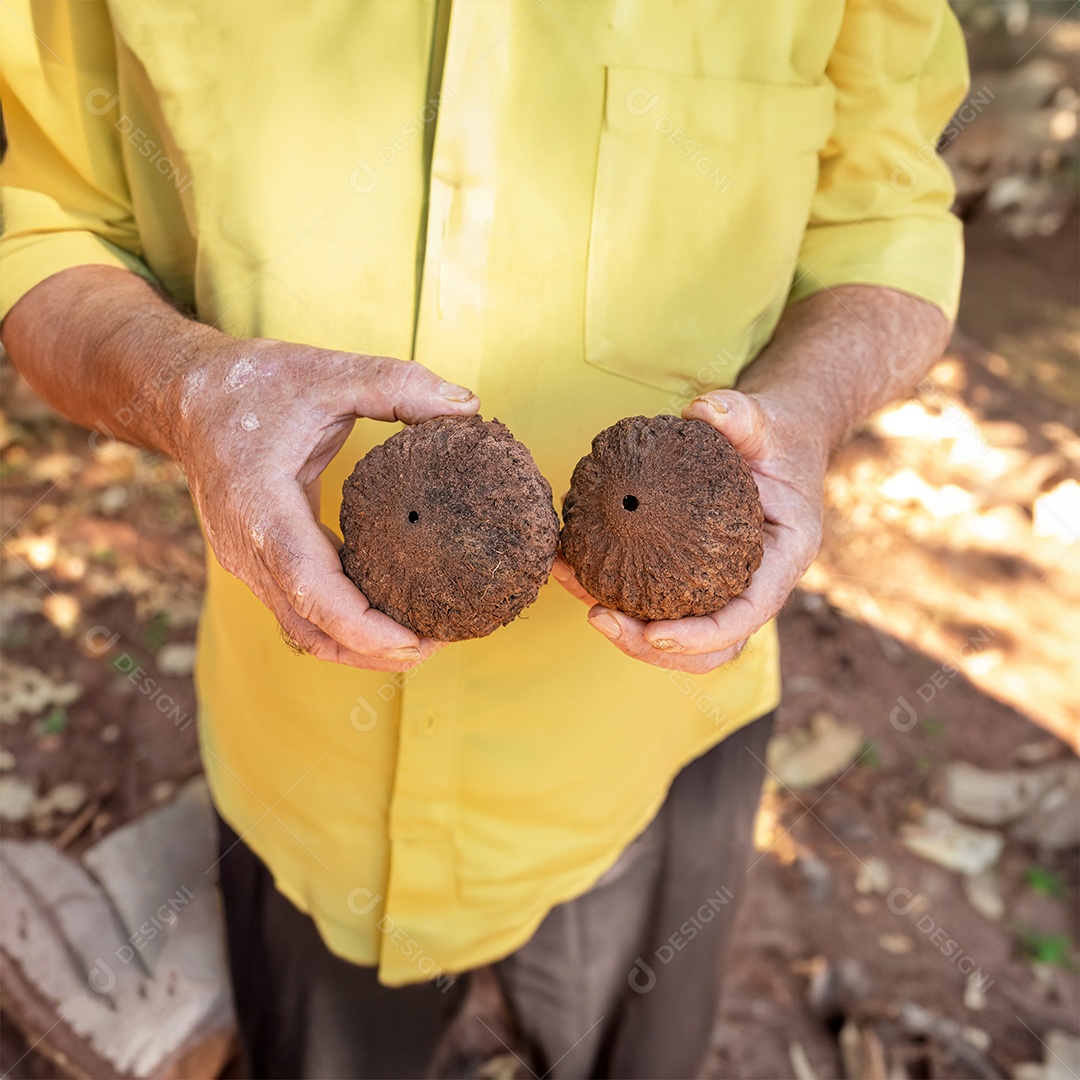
<point x="157" y="631"/>
<point x="1054" y="950"/>
<point x="1045" y="882"/>
<point x="18" y="637"/>
<point x="870" y="756"/>
<point x="935" y="728"/>
<point x="54" y="722"/>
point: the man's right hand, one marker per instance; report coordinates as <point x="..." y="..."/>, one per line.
<point x="257" y="421"/>
<point x="253" y="423"/>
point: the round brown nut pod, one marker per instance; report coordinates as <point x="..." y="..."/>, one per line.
<point x="663" y="519"/>
<point x="449" y="527"/>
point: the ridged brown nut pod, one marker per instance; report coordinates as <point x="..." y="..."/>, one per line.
<point x="663" y="519"/>
<point x="449" y="527"/>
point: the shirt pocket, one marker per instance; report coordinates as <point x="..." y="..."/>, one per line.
<point x="702" y="194"/>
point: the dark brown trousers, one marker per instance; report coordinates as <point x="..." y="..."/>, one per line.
<point x="621" y="982"/>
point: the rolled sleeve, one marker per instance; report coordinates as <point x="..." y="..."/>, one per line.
<point x="65" y="199"/>
<point x="881" y="214"/>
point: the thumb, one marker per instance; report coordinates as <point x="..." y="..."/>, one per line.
<point x="738" y="417"/>
<point x="388" y="389"/>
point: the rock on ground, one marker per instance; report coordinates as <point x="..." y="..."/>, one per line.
<point x="116" y="963"/>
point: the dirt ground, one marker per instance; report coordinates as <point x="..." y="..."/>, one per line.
<point x="950" y="537"/>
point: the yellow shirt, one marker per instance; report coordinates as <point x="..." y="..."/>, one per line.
<point x="611" y="213"/>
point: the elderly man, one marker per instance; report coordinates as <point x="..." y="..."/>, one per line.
<point x="389" y="211"/>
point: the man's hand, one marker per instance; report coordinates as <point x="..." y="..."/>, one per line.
<point x="256" y="424"/>
<point x="835" y="357"/>
<point x="789" y="468"/>
<point x="253" y="423"/>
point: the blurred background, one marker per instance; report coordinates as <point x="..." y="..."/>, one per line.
<point x="913" y="908"/>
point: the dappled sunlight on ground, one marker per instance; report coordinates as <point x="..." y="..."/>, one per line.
<point x="953" y="524"/>
<point x="942" y="614"/>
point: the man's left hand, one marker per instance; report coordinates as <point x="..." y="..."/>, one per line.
<point x="788" y="463"/>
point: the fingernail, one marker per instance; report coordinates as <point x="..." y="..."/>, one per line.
<point x="667" y="644"/>
<point x="453" y="392"/>
<point x="709" y="403"/>
<point x="560" y="571"/>
<point x="607" y="624"/>
<point x="405" y="654"/>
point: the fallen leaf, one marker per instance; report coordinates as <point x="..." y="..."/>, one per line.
<point x="940" y="838"/>
<point x="817" y="752"/>
<point x="26" y="690"/>
<point x="16" y="798"/>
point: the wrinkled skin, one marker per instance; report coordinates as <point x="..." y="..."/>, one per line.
<point x="791" y="489"/>
<point x="252" y="422"/>
<point x="93" y="340"/>
<point x="257" y="487"/>
<point x="835" y="357"/>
